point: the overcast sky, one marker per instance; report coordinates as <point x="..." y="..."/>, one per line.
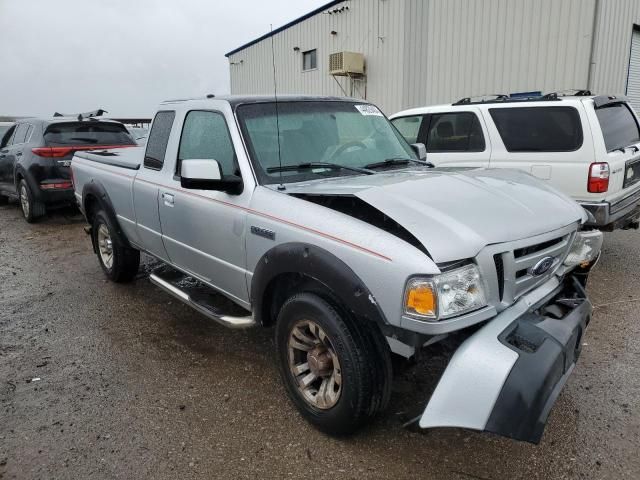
<point x="124" y="55"/>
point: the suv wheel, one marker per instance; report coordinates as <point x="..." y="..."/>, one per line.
<point x="31" y="208"/>
<point x="331" y="367"/>
<point x="119" y="262"/>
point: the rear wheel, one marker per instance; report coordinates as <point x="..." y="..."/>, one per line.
<point x="119" y="262"/>
<point x="333" y="371"/>
<point x="31" y="208"/>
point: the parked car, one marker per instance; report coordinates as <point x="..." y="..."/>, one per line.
<point x="4" y="126"/>
<point x="586" y="146"/>
<point x="315" y="216"/>
<point x="139" y="134"/>
<point x="35" y="155"/>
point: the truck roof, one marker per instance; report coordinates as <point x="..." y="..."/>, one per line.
<point x="234" y="100"/>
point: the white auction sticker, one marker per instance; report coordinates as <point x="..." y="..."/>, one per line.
<point x="365" y="109"/>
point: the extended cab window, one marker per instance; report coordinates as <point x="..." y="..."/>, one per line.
<point x="205" y="136"/>
<point x="538" y="129"/>
<point x="619" y="126"/>
<point x="455" y="132"/>
<point x="158" y="139"/>
<point x="409" y="127"/>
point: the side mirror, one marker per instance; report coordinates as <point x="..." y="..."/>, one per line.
<point x="420" y="150"/>
<point x="205" y="174"/>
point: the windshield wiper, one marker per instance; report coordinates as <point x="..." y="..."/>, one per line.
<point x="389" y="162"/>
<point x="310" y="165"/>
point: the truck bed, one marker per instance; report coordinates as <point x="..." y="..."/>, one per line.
<point x="122" y="157"/>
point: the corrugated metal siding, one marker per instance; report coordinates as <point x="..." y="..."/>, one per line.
<point x="421" y="52"/>
<point x="458" y="48"/>
<point x="633" y="84"/>
<point x="613" y="44"/>
<point x="373" y="27"/>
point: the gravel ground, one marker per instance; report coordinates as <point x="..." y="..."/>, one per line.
<point x="132" y="384"/>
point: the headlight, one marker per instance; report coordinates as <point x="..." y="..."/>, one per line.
<point x="585" y="248"/>
<point x="445" y="295"/>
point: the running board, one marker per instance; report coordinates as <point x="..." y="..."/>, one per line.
<point x="202" y="298"/>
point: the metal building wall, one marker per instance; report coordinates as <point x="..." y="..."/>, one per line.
<point x="423" y="52"/>
<point x="613" y="44"/>
<point x="373" y="27"/>
<point x="458" y="48"/>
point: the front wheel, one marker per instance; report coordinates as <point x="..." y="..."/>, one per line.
<point x="119" y="262"/>
<point x="334" y="372"/>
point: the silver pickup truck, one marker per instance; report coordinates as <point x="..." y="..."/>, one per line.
<point x="315" y="216"/>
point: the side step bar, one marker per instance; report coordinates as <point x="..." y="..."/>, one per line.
<point x="201" y="298"/>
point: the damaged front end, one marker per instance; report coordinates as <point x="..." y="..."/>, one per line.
<point x="506" y="377"/>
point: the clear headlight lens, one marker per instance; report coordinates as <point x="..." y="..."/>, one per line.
<point x="445" y="295"/>
<point x="585" y="248"/>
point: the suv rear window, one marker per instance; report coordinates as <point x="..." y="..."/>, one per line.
<point x="619" y="126"/>
<point x="87" y="133"/>
<point x="538" y="129"/>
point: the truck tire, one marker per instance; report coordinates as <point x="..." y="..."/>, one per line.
<point x="119" y="262"/>
<point x="332" y="368"/>
<point x="30" y="207"/>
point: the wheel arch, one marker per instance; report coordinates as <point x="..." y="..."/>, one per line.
<point x="291" y="265"/>
<point x="96" y="198"/>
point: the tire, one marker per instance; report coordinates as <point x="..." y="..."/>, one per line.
<point x="361" y="364"/>
<point x="30" y="207"/>
<point x="119" y="262"/>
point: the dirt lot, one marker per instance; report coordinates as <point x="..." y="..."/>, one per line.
<point x="135" y="385"/>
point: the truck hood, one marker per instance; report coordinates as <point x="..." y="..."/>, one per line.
<point x="456" y="213"/>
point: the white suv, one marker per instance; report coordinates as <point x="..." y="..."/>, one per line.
<point x="586" y="146"/>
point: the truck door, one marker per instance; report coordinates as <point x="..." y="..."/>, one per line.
<point x="203" y="230"/>
<point x="146" y="186"/>
<point x="455" y="138"/>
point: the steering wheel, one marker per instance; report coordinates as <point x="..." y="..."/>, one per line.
<point x="342" y="148"/>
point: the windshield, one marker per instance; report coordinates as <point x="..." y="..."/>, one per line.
<point x="619" y="127"/>
<point x="344" y="134"/>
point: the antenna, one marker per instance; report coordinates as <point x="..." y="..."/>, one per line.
<point x="275" y="94"/>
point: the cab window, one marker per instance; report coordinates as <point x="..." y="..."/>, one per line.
<point x="205" y="136"/>
<point x="158" y="139"/>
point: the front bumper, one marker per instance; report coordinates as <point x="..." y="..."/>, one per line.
<point x="611" y="216"/>
<point x="506" y="377"/>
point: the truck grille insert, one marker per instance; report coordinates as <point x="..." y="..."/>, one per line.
<point x="513" y="268"/>
<point x="497" y="259"/>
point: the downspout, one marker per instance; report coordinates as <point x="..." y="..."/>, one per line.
<point x="592" y="55"/>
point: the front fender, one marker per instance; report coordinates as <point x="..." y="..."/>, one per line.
<point x="320" y="265"/>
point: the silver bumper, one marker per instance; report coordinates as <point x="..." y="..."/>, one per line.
<point x="614" y="215"/>
<point x="506" y="377"/>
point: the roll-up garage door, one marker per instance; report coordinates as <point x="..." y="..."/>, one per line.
<point x="633" y="82"/>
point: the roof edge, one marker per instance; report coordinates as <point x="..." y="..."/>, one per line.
<point x="284" y="27"/>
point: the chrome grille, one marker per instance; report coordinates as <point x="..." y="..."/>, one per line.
<point x="513" y="269"/>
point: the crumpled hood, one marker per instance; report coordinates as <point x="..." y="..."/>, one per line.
<point x="455" y="213"/>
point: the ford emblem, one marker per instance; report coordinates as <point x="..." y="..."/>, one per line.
<point x="542" y="266"/>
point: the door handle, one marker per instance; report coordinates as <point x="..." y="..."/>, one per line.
<point x="169" y="199"/>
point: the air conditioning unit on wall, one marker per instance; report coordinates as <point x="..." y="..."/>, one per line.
<point x="346" y="64"/>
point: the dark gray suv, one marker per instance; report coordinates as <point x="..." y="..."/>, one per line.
<point x="35" y="155"/>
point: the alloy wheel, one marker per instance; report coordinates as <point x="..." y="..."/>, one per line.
<point x="314" y="365"/>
